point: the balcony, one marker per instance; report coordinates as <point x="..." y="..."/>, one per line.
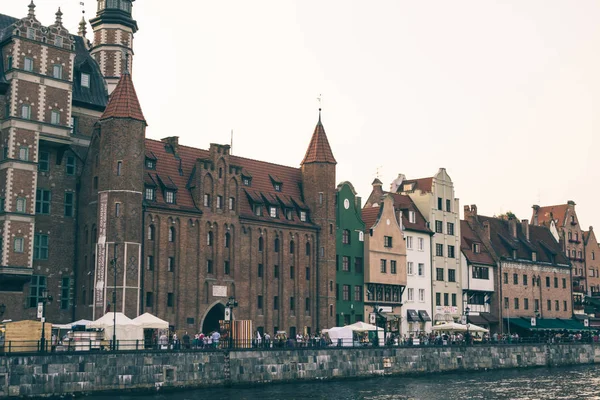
<point x="577" y="241"/>
<point x="579" y="288"/>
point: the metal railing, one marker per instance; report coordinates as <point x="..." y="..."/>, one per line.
<point x="16" y="347"/>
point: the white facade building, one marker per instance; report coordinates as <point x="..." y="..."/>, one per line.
<point x="417" y="296"/>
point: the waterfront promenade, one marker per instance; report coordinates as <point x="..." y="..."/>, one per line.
<point x="60" y="373"/>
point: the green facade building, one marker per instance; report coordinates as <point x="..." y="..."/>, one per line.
<point x="349" y="285"/>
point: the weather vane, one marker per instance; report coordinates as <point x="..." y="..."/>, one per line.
<point x="319" y="99"/>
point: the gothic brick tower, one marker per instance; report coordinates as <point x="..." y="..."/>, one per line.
<point x="113" y="39"/>
<point x="318" y="175"/>
<point x="118" y="178"/>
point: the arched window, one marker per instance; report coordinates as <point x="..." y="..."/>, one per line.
<point x="292" y="247"/>
<point x="171" y="234"/>
<point x="260" y="244"/>
<point x="151" y="232"/>
<point x="227" y="240"/>
<point x="307" y="249"/>
<point x="276" y="245"/>
<point x="346" y="236"/>
<point x="331" y="310"/>
<point x="87" y="233"/>
<point x="209" y="238"/>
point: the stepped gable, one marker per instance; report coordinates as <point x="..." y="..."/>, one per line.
<point x="468" y="237"/>
<point x="319" y="150"/>
<point x="123" y="102"/>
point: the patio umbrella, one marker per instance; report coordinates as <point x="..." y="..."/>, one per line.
<point x="450" y="327"/>
<point x="477" y="328"/>
<point x="362" y="327"/>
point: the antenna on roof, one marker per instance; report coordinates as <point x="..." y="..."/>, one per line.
<point x="82" y="7"/>
<point x="320" y="99"/>
<point x="378" y="172"/>
<point x="231" y="143"/>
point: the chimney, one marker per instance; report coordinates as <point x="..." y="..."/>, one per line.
<point x="172" y="141"/>
<point x="512" y="227"/>
<point x="536" y="210"/>
<point x="357" y="202"/>
<point x="525" y="227"/>
<point x="377" y="194"/>
<point x="571" y="203"/>
<point x="486" y="228"/>
<point x="471" y="211"/>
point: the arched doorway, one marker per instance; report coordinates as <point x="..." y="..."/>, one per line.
<point x="211" y="321"/>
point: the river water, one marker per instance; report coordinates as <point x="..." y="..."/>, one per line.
<point x="580" y="382"/>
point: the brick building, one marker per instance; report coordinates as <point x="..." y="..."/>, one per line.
<point x="570" y="235"/>
<point x="533" y="276"/>
<point x="91" y="207"/>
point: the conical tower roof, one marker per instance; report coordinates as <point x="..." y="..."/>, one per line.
<point x="319" y="150"/>
<point x="123" y="102"/>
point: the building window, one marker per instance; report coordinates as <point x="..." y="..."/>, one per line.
<point x="549" y="305"/>
<point x="170" y="264"/>
<point x="259" y="302"/>
<point x="150" y="263"/>
<point x="439" y="205"/>
<point x="438" y="299"/>
<point x="170" y="299"/>
<point x="320" y="198"/>
<point x="450" y="228"/>
<point x="476" y="248"/>
<point x="18" y="244"/>
<point x="119" y="167"/>
<point x="453" y="299"/>
<point x="231" y="203"/>
<point x="421" y="295"/>
<point x="358" y="293"/>
<point x="446" y="297"/>
<point x="55" y="117"/>
<point x="275" y="271"/>
<point x="58" y="41"/>
<point x="171" y="234"/>
<point x="277" y="187"/>
<point x="275" y="303"/>
<point x="24" y="153"/>
<point x="564" y="305"/>
<point x="170" y="196"/>
<point x="209" y="266"/>
<point x="450" y="251"/>
<point x="421" y="269"/>
<point x="26" y="111"/>
<point x="345" y="236"/>
<point x="292" y="272"/>
<point x="70" y="165"/>
<point x="506" y="302"/>
<point x="346" y="292"/>
<point x="524" y="280"/>
<point x="95" y="185"/>
<point x="420" y="244"/>
<point x="533" y="256"/>
<point x="409" y="242"/>
<point x="516" y="303"/>
<point x="451" y="275"/>
<point x="260" y="244"/>
<point x="515" y="279"/>
<point x="345" y="263"/>
<point x="410" y="294"/>
<point x="411" y="217"/>
<point x="151" y="232"/>
<point x="44" y="161"/>
<point x="438" y="227"/>
<point x="85" y="80"/>
<point x="547" y="281"/>
<point x="387" y="241"/>
<point x="149" y="299"/>
<point x="383" y="266"/>
<point x="555" y="282"/>
<point x="260" y="270"/>
<point x="536" y="303"/>
<point x="273" y="212"/>
<point x="361" y="236"/>
<point x="564" y="283"/>
<point x="307" y="273"/>
<point x="307" y="249"/>
<point x="409" y="268"/>
<point x="21" y="204"/>
<point x="525" y="304"/>
<point x="358" y="265"/>
<point x="303" y="216"/>
<point x="288" y="214"/>
<point x="246" y="181"/>
<point x="505" y="278"/>
<point x="439" y="250"/>
<point x="36" y="287"/>
<point x="117" y="210"/>
<point x="40" y="247"/>
<point x="257" y="210"/>
<point x="439" y="274"/>
<point x="209" y="238"/>
<point x="69" y="203"/>
<point x="150" y="193"/>
<point x="393" y="266"/>
<point x="150" y="164"/>
<point x="448" y="208"/>
<point x="206" y="200"/>
<point x="481" y="273"/>
<point x="219" y="202"/>
<point x="9" y="63"/>
<point x="42" y="201"/>
<point x="28" y="65"/>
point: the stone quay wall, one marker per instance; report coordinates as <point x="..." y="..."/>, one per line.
<point x="31" y="375"/>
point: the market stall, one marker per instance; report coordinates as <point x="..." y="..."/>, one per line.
<point x="129" y="334"/>
<point x="153" y="328"/>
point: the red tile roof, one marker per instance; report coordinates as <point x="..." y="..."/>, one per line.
<point x="422" y="184"/>
<point x="123" y="102"/>
<point x="319" y="149"/>
<point x="468" y="237"/>
<point x="547" y="213"/>
<point x="261" y="187"/>
<point x="404" y="203"/>
<point x="370" y="215"/>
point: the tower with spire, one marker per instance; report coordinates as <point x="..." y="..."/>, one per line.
<point x="113" y="28"/>
<point x="318" y="177"/>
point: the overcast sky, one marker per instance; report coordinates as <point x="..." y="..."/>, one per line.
<point x="503" y="94"/>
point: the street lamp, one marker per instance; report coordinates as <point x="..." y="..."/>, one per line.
<point x="45" y="298"/>
<point x="467" y="310"/>
<point x="230" y="305"/>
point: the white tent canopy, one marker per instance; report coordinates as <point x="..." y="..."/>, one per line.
<point x="128" y="331"/>
<point x="343" y="333"/>
<point x="361" y="327"/>
<point x="81" y="322"/>
<point x="450" y="327"/>
<point x="149" y="321"/>
<point x="477" y="328"/>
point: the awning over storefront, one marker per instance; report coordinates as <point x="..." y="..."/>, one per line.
<point x="412" y="316"/>
<point x="547" y="324"/>
<point x="424" y="316"/>
<point x="477" y="320"/>
<point x="491" y="318"/>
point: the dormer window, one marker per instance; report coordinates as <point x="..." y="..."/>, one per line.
<point x="277" y="187"/>
<point x="150" y="163"/>
<point x="411" y="217"/>
<point x="303" y="216"/>
<point x="288" y="214"/>
<point x="407" y="187"/>
<point x="273" y="211"/>
<point x="247" y="181"/>
<point x="150" y="193"/>
<point x="533" y="256"/>
<point x="257" y="210"/>
<point x="170" y="196"/>
<point x="85" y="80"/>
<point x="476" y="248"/>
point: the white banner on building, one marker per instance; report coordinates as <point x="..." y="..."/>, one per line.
<point x="40" y="310"/>
<point x="101" y="252"/>
<point x="220" y="291"/>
